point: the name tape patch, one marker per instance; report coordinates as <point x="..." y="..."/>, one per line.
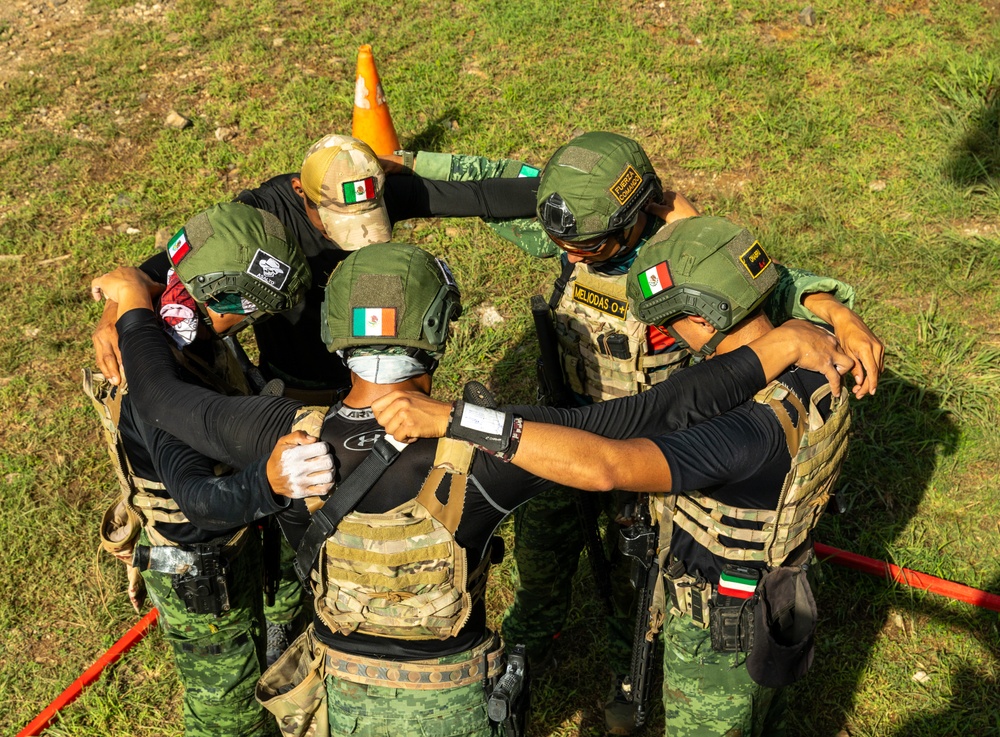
<point x="601" y="302"/>
<point x="626" y="185"/>
<point x="755" y="259"/>
<point x="268" y="269"/>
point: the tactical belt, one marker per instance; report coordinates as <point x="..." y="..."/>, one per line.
<point x="419" y="675"/>
<point x="176" y="560"/>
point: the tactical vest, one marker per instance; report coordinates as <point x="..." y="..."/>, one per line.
<point x="138" y="505"/>
<point x="603" y="348"/>
<point x="817" y="448"/>
<point x="401" y="574"/>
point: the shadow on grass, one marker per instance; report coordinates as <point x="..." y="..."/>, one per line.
<point x="974" y="707"/>
<point x="897" y="438"/>
<point x="975" y="160"/>
<point x="433" y="134"/>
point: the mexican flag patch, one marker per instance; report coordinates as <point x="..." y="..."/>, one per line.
<point x="655" y="280"/>
<point x="736" y="585"/>
<point x="359" y="191"/>
<point x="178" y="247"/>
<point x="378" y="322"/>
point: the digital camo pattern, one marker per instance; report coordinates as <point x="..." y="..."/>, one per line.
<point x="219" y="659"/>
<point x="705" y="696"/>
<point x="380" y="711"/>
<point x="290" y="601"/>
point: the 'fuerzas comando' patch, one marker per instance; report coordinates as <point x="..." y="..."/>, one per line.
<point x="626" y="185"/>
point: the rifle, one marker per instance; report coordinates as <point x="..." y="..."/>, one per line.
<point x="255" y="379"/>
<point x="638" y="542"/>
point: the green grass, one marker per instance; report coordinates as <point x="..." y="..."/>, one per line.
<point x="791" y="130"/>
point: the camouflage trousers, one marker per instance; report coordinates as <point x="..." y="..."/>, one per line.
<point x="291" y="605"/>
<point x="218" y="659"/>
<point x="704" y="695"/>
<point x="380" y="711"/>
<point x="548" y="540"/>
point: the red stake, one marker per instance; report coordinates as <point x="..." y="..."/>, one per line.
<point x="908" y="577"/>
<point x="124" y="644"/>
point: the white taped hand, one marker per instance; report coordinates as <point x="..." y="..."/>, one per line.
<point x="307" y="470"/>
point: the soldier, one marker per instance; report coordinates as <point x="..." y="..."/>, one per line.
<point x="233" y="265"/>
<point x="600" y="201"/>
<point x="735" y="497"/>
<point x="341" y="200"/>
<point x="400" y="627"/>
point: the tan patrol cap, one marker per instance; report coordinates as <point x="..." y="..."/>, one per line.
<point x="342" y="175"/>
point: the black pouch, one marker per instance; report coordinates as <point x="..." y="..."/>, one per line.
<point x="785" y="629"/>
<point x="731" y="625"/>
<point x="208" y="591"/>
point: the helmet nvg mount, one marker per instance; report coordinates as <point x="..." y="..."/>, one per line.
<point x="391" y="294"/>
<point x="594" y="186"/>
<point x="235" y="249"/>
<point x="705" y="266"/>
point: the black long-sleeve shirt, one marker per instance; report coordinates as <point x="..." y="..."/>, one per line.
<point x="290" y="344"/>
<point x="243" y="430"/>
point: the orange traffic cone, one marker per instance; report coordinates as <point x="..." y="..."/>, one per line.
<point x="372" y="123"/>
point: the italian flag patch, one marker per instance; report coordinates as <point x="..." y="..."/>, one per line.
<point x="178" y="247"/>
<point x="655" y="280"/>
<point x="378" y="322"/>
<point x="359" y="191"/>
<point x="736" y="586"/>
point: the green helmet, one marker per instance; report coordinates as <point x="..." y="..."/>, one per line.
<point x="235" y="249"/>
<point x="704" y="266"/>
<point x="595" y="185"/>
<point x="390" y="294"/>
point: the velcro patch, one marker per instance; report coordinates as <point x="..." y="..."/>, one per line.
<point x="376" y="322"/>
<point x="626" y="185"/>
<point x="178" y="247"/>
<point x="268" y="269"/>
<point x="755" y="259"/>
<point x="601" y="302"/>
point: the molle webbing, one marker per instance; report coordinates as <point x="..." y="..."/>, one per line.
<point x="401" y="574"/>
<point x="817" y="449"/>
<point x="310" y="421"/>
<point x="603" y="348"/>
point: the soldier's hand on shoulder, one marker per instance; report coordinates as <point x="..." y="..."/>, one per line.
<point x="300" y="466"/>
<point x="408" y="416"/>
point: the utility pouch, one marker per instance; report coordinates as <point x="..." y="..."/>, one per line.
<point x="293" y="689"/>
<point x="509" y="701"/>
<point x="206" y="589"/>
<point x="785" y="628"/>
<point x="732" y="624"/>
<point x="614" y="345"/>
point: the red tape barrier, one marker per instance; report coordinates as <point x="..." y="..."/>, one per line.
<point x="124" y="644"/>
<point x="908" y="577"/>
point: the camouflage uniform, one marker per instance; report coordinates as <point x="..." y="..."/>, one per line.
<point x="219" y="659"/>
<point x="548" y="537"/>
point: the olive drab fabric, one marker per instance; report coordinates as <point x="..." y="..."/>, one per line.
<point x="233" y="248"/>
<point x="704" y="266"/>
<point x="594" y="185"/>
<point x="592" y="309"/>
<point x="392" y="294"/>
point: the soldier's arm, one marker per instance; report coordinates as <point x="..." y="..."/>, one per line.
<point x="524" y="232"/>
<point x="800" y="294"/>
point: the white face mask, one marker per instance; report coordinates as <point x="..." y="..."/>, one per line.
<point x="386" y="369"/>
